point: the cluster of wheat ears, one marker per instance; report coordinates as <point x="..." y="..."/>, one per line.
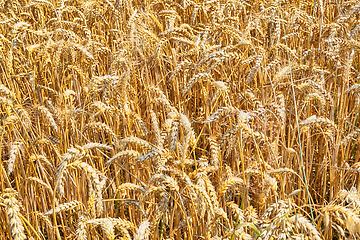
<point x="184" y="119"/>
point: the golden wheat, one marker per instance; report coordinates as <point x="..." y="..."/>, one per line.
<point x="179" y="119"/>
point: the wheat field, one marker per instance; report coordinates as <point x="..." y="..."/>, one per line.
<point x="184" y="119"/>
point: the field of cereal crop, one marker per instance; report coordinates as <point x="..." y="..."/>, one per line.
<point x="179" y="119"/>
